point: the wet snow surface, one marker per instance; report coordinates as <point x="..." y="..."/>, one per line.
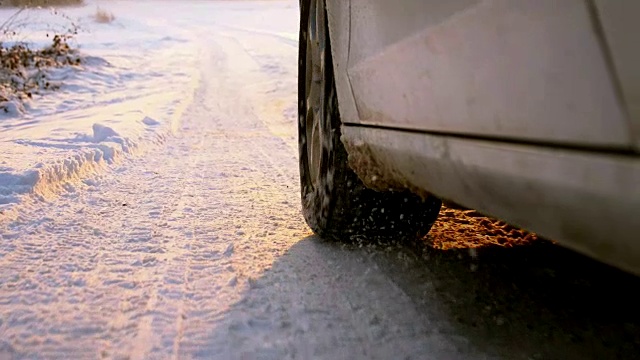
<point x="152" y="211"/>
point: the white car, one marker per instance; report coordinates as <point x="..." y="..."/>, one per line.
<point x="526" y="110"/>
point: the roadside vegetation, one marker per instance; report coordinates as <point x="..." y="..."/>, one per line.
<point x="35" y="3"/>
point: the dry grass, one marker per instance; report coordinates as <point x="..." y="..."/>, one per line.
<point x="34" y="3"/>
<point x="463" y="229"/>
<point x="103" y="16"/>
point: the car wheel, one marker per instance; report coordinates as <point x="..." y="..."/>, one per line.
<point x="335" y="203"/>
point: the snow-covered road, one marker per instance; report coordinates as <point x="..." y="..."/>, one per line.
<point x="195" y="246"/>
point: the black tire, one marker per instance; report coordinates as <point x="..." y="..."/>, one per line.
<point x="335" y="203"/>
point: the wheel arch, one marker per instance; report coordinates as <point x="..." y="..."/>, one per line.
<point x="339" y="17"/>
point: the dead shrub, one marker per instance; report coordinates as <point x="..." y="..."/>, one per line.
<point x="25" y="71"/>
<point x="103" y="16"/>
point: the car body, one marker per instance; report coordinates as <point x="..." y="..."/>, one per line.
<point x="526" y="110"/>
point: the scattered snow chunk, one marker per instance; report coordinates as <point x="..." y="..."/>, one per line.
<point x="229" y="251"/>
<point x="149" y="121"/>
<point x="13" y="107"/>
<point x="102" y="133"/>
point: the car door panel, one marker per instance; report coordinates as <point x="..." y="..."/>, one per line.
<point x="619" y="20"/>
<point x="518" y="70"/>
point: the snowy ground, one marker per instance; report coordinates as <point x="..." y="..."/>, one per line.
<point x="138" y="75"/>
<point x="180" y="236"/>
